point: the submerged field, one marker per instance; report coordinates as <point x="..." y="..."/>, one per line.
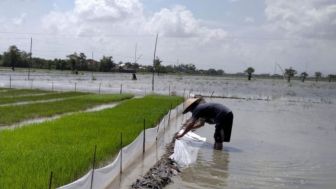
<point x="65" y="146"/>
<point x="5" y="92"/>
<point x="36" y="97"/>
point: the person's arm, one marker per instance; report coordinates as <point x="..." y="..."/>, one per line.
<point x="187" y="126"/>
<point x="199" y="123"/>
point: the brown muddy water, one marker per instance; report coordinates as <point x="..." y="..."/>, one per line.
<point x="274" y="144"/>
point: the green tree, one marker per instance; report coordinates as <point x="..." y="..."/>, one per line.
<point x="62" y="64"/>
<point x="73" y="60"/>
<point x="82" y="62"/>
<point x="304" y="75"/>
<point x="106" y="64"/>
<point x="318" y="75"/>
<point x="289" y="73"/>
<point x="249" y="72"/>
<point x="331" y="77"/>
<point x="12" y="57"/>
<point x="211" y="71"/>
<point x="220" y="72"/>
<point x="157" y="65"/>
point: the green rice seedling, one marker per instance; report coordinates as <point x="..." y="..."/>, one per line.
<point x="18" y="113"/>
<point x="20" y="92"/>
<point x="65" y="146"/>
<point x="46" y="96"/>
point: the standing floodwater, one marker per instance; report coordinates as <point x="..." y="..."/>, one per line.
<point x="284" y="136"/>
<point x="275" y="144"/>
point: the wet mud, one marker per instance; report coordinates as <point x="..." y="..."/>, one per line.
<point x="161" y="173"/>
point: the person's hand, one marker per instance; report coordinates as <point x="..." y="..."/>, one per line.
<point x="177" y="136"/>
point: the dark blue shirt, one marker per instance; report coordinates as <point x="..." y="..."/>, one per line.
<point x="211" y="112"/>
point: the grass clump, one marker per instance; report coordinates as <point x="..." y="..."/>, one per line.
<point x="65" y="146"/>
<point x="14" y="114"/>
<point x="47" y="96"/>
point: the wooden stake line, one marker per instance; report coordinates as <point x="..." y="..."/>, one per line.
<point x="10" y="81"/>
<point x="169" y="91"/>
<point x="121" y="154"/>
<point x="93" y="165"/>
<point x="176" y="116"/>
<point x="50" y="179"/>
<point x="171" y="106"/>
<point x="144" y="138"/>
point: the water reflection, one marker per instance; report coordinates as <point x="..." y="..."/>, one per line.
<point x="210" y="171"/>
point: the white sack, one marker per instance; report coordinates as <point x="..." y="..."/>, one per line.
<point x="186" y="149"/>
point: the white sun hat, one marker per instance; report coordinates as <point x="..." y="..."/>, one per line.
<point x="188" y="104"/>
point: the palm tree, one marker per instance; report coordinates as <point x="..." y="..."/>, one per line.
<point x="304" y="75"/>
<point x="290" y="73"/>
<point x="318" y="75"/>
<point x="249" y="72"/>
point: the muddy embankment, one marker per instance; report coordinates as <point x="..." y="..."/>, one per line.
<point x="161" y="173"/>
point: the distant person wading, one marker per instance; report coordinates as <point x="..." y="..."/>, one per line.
<point x="211" y="113"/>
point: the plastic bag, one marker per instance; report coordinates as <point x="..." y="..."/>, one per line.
<point x="186" y="149"/>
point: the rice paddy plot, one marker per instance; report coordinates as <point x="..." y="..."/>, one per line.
<point x="65" y="146"/>
<point x="18" y="113"/>
<point x="21" y="92"/>
<point x="45" y="96"/>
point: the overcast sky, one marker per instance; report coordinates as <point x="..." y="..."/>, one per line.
<point x="223" y="34"/>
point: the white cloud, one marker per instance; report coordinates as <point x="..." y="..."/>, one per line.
<point x="294" y="34"/>
<point x="106" y="10"/>
<point x="309" y="18"/>
<point x="19" y="20"/>
<point x="249" y="20"/>
<point x="104" y="16"/>
<point x="180" y="22"/>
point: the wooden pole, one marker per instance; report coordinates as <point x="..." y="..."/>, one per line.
<point x="121" y="154"/>
<point x="50" y="179"/>
<point x="10" y="81"/>
<point x="154" y="61"/>
<point x="171" y="105"/>
<point x="92" y="64"/>
<point x="169" y="91"/>
<point x="144" y="137"/>
<point x="30" y="58"/>
<point x="212" y="94"/>
<point x="93" y="165"/>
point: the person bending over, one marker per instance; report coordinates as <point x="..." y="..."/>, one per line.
<point x="212" y="113"/>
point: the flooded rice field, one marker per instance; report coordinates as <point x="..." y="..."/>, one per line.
<point x="284" y="135"/>
<point x="270" y="89"/>
<point x="274" y="144"/>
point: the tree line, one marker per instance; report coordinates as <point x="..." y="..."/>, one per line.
<point x="16" y="58"/>
<point x="289" y="73"/>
